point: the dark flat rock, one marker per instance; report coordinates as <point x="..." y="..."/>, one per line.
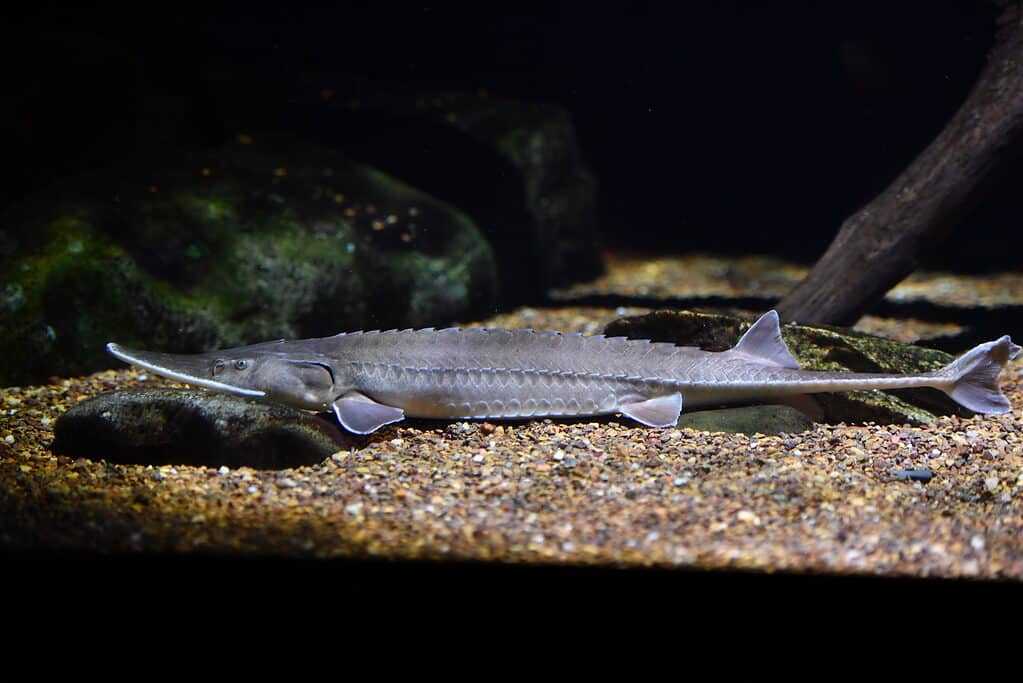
<point x="194" y="427"/>
<point x="748" y="420"/>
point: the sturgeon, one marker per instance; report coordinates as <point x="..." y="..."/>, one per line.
<point x="371" y="379"/>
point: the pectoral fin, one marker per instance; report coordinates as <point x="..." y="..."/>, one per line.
<point x="360" y="414"/>
<point x="662" y="411"/>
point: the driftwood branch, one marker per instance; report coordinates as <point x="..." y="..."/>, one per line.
<point x="883" y="242"/>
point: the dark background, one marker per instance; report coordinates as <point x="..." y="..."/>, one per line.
<point x="723" y="126"/>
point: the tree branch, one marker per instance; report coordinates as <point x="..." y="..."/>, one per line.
<point x="882" y="243"/>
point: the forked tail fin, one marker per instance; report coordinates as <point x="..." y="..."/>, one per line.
<point x="974" y="376"/>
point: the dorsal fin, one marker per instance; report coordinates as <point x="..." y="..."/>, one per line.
<point x="763" y="343"/>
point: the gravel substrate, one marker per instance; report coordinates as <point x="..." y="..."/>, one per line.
<point x="944" y="500"/>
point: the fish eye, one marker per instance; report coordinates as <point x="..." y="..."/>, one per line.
<point x="218" y="367"/>
<point x="241" y="364"/>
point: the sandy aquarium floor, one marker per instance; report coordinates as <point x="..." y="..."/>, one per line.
<point x="604" y="492"/>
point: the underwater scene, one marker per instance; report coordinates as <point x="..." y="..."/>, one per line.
<point x="715" y="287"/>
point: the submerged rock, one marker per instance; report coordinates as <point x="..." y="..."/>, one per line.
<point x="194" y="427"/>
<point x="767" y="419"/>
<point x="257" y="240"/>
<point x="816" y="348"/>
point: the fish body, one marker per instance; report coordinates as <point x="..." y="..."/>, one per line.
<point x="370" y="379"/>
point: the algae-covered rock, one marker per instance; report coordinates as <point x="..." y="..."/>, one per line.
<point x="817" y="349"/>
<point x="514" y="167"/>
<point x="256" y="240"/>
<point x="194" y="427"/>
<point x="767" y="419"/>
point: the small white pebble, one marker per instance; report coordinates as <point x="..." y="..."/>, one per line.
<point x="977" y="543"/>
<point x="224" y="470"/>
<point x="396" y="442"/>
<point x="252" y="489"/>
<point x="478" y="457"/>
<point x="559" y="454"/>
<point x="991" y="484"/>
<point x="143" y="378"/>
<point x="748" y="516"/>
<point x="568" y="547"/>
<point x="287" y="483"/>
<point x="354" y="509"/>
<point x="9" y="439"/>
<point x="45" y="421"/>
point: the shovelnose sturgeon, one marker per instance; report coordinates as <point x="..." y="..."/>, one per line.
<point x="370" y="379"/>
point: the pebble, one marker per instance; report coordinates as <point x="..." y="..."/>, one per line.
<point x="923" y="475"/>
<point x="749" y="517"/>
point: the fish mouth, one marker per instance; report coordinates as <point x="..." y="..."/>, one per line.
<point x="188" y="368"/>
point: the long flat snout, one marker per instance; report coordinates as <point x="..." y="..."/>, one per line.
<point x="189" y="368"/>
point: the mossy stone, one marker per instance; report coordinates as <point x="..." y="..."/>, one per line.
<point x="766" y="419"/>
<point x="256" y="240"/>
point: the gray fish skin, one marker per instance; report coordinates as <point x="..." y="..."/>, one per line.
<point x="374" y="378"/>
